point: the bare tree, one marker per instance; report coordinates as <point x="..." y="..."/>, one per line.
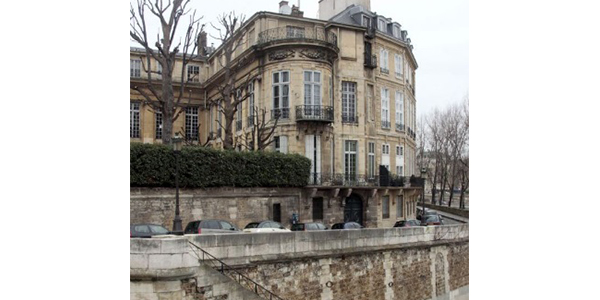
<point x="230" y="87"/>
<point x="161" y="97"/>
<point x="261" y="132"/>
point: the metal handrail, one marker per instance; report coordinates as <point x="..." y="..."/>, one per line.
<point x="240" y="278"/>
<point x="355" y="179"/>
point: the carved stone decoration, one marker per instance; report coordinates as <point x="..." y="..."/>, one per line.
<point x="281" y="54"/>
<point x="314" y="54"/>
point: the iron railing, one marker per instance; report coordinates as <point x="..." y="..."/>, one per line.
<point x="228" y="271"/>
<point x="349" y="118"/>
<point x="370" y="61"/>
<point x="385" y="124"/>
<point x="314" y="113"/>
<point x="297" y="34"/>
<point x="399" y="127"/>
<point x="281" y="113"/>
<point x="353" y="179"/>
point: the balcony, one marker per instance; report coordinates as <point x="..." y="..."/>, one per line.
<point x="385" y="124"/>
<point x="350" y="118"/>
<point x="280" y="113"/>
<point x="319" y="113"/>
<point x="399" y="127"/>
<point x="370" y="61"/>
<point x="297" y="34"/>
<point x="355" y="180"/>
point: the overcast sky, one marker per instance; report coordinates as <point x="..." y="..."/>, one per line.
<point x="438" y="29"/>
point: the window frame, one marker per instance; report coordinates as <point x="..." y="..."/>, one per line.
<point x="132" y="67"/>
<point x="280" y="96"/>
<point x="385" y="207"/>
<point x="349" y="102"/>
<point x="194" y="72"/>
<point x="135" y="130"/>
<point x="192" y="118"/>
<point x="158" y="125"/>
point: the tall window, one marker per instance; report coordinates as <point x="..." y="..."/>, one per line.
<point x="281" y="94"/>
<point x="385" y="207"/>
<point x="191" y="123"/>
<point x="371" y="160"/>
<point x="295" y="32"/>
<point x="312" y="93"/>
<point x="400" y="206"/>
<point x="399" y="110"/>
<point x="280" y="144"/>
<point x="219" y="118"/>
<point x="383" y="54"/>
<point x="385" y="108"/>
<point x="159" y="70"/>
<point x="158" y="124"/>
<point x="193" y="73"/>
<point x="250" y="104"/>
<point x="350" y="160"/>
<point x="135" y="68"/>
<point x="238" y="121"/>
<point x="134" y="120"/>
<point x="349" y="102"/>
<point x="398" y="65"/>
<point x="385" y="155"/>
<point x="317" y="206"/>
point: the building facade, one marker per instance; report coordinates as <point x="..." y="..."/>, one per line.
<point x="342" y="90"/>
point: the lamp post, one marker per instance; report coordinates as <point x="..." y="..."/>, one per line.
<point x="423" y="179"/>
<point x="176" y="142"/>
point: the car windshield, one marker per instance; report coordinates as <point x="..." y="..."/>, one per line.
<point x="432" y="219"/>
<point x="158" y="229"/>
<point x="252" y="225"/>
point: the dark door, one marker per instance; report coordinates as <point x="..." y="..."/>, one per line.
<point x="277" y="212"/>
<point x="353" y="211"/>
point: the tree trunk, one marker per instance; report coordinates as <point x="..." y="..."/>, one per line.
<point x="167" y="109"/>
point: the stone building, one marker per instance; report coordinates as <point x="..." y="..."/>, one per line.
<point x="343" y="90"/>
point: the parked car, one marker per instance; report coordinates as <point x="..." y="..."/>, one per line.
<point x="407" y="223"/>
<point x="308" y="226"/>
<point x="265" y="226"/>
<point x="146" y="230"/>
<point x="210" y="226"/>
<point x="432" y="220"/>
<point x="346" y="225"/>
<point x="427" y="213"/>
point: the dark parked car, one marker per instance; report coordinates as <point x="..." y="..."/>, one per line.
<point x="146" y="230"/>
<point x="347" y="225"/>
<point x="210" y="226"/>
<point x="265" y="226"/>
<point x="407" y="223"/>
<point x="308" y="226"/>
<point x="432" y="220"/>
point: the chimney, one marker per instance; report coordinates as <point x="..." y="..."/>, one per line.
<point x="296" y="12"/>
<point x="284" y="8"/>
<point x="202" y="44"/>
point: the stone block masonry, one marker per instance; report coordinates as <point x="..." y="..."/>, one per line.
<point x="393" y="263"/>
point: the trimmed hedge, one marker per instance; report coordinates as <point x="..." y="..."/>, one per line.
<point x="199" y="167"/>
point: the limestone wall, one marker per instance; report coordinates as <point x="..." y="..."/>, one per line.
<point x="411" y="263"/>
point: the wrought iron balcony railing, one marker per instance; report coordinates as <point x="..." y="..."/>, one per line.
<point x="370" y="61"/>
<point x="350" y="118"/>
<point x="297" y="34"/>
<point x="399" y="127"/>
<point x="356" y="180"/>
<point x="281" y="113"/>
<point x="314" y="113"/>
<point x="385" y="124"/>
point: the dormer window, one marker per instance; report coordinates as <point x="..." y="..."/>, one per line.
<point x="397" y="31"/>
<point x="381" y="25"/>
<point x="366" y="21"/>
